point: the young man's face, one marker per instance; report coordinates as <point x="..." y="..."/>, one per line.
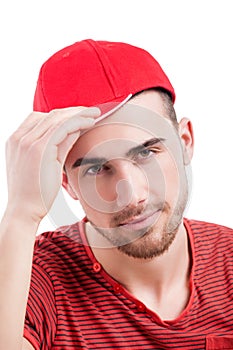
<point x="129" y="174"/>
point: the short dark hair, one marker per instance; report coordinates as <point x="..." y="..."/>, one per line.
<point x="167" y="103"/>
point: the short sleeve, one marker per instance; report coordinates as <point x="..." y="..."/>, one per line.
<point x="40" y="319"/>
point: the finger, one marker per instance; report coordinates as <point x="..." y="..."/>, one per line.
<point x="61" y="142"/>
<point x="64" y="147"/>
<point x="67" y="142"/>
<point x="38" y="122"/>
<point x="27" y="125"/>
<point x="58" y="135"/>
<point x="56" y="119"/>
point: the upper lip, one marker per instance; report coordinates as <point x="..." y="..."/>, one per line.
<point x="137" y="219"/>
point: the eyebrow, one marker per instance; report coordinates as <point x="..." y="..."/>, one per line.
<point x="100" y="160"/>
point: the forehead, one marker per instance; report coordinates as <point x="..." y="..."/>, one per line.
<point x="131" y="125"/>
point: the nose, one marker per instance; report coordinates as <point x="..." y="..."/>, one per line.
<point x="131" y="184"/>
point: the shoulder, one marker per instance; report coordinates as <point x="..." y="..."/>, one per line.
<point x="198" y="225"/>
<point x="206" y="228"/>
<point x="65" y="234"/>
<point x="59" y="245"/>
<point x="207" y="235"/>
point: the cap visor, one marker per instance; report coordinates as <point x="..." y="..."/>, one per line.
<point x="110" y="107"/>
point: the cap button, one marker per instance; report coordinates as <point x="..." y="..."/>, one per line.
<point x="96" y="267"/>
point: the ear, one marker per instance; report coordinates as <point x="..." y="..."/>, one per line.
<point x="187" y="139"/>
<point x="66" y="185"/>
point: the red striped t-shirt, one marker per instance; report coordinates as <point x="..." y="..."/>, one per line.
<point x="74" y="304"/>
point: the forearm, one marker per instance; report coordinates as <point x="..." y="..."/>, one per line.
<point x="35" y="157"/>
<point x="17" y="237"/>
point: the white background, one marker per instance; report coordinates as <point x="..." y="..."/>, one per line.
<point x="192" y="40"/>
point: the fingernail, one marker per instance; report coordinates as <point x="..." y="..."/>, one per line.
<point x="95" y="111"/>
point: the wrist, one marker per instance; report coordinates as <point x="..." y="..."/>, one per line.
<point x="20" y="218"/>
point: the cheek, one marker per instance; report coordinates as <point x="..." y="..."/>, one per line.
<point x="84" y="196"/>
<point x="175" y="179"/>
<point x="95" y="196"/>
<point x="98" y="217"/>
<point x="167" y="179"/>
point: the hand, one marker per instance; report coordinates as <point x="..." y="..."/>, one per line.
<point x="35" y="156"/>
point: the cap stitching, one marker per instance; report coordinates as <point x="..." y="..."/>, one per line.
<point x="90" y="42"/>
<point x="42" y="88"/>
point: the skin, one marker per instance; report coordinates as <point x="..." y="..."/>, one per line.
<point x="58" y="138"/>
<point x="37" y="148"/>
<point x="130" y="188"/>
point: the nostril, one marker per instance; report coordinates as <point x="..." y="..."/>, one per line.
<point x="124" y="192"/>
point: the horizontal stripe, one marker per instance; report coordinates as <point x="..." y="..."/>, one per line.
<point x="71" y="306"/>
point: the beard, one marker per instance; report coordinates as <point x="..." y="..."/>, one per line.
<point x="148" y="242"/>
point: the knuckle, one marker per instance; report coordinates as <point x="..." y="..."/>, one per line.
<point x="81" y="108"/>
<point x="69" y="111"/>
<point x="32" y="115"/>
<point x="36" y="114"/>
<point x="53" y="112"/>
<point x="24" y="144"/>
<point x="14" y="138"/>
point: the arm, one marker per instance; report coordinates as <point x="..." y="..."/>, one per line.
<point x="16" y="250"/>
<point x="37" y="149"/>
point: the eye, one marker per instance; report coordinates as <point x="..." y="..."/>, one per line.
<point x="96" y="169"/>
<point x="147" y="153"/>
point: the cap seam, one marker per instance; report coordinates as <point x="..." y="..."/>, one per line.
<point x="42" y="88"/>
<point x="102" y="64"/>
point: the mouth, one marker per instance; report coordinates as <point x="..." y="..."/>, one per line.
<point x="142" y="221"/>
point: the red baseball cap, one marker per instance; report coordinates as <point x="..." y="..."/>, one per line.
<point x="93" y="73"/>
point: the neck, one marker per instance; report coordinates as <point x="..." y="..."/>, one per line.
<point x="162" y="277"/>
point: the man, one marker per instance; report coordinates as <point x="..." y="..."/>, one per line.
<point x="134" y="274"/>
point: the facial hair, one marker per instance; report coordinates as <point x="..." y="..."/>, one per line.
<point x="149" y="242"/>
<point x="158" y="237"/>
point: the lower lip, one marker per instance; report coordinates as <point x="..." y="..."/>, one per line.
<point x="148" y="221"/>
